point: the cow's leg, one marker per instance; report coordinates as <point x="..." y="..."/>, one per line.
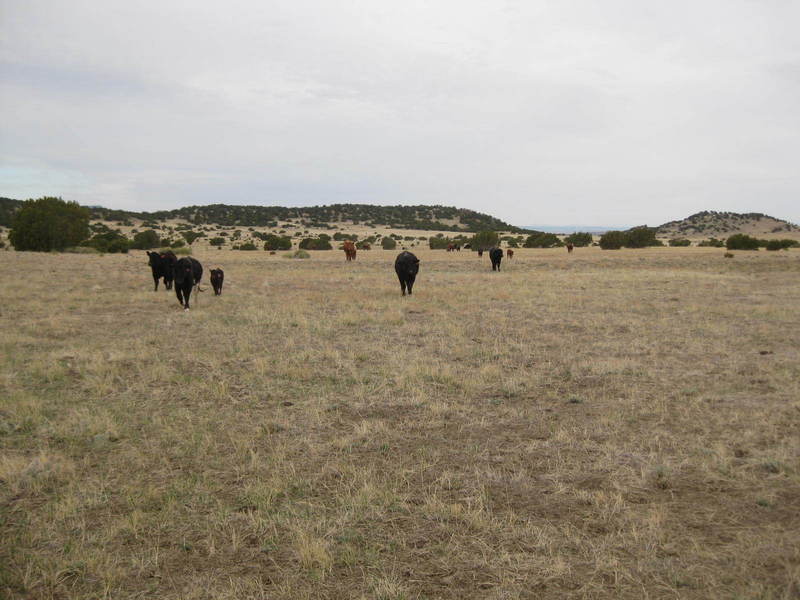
<point x="403" y="286"/>
<point x="179" y="294"/>
<point x="155" y="280"/>
<point x="410" y="284"/>
<point x="186" y="293"/>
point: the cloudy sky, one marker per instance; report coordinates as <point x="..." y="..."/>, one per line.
<point x="560" y="112"/>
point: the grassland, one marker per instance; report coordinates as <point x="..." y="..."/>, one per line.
<point x="596" y="425"/>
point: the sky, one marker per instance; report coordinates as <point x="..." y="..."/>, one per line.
<point x="621" y="112"/>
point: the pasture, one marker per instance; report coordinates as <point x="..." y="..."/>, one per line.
<point x="596" y="425"/>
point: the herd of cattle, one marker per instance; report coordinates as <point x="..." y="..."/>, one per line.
<point x="186" y="272"/>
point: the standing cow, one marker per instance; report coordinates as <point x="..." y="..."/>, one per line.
<point x="188" y="273"/>
<point x="161" y="265"/>
<point x="349" y="249"/>
<point x="480" y="252"/>
<point x="496" y="255"/>
<point x="406" y="266"/>
<point x="509" y="253"/>
<point x="569" y="248"/>
<point x="217" y="277"/>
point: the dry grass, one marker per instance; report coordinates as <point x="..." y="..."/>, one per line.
<point x="606" y="424"/>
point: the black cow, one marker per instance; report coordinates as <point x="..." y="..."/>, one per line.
<point x="406" y="266"/>
<point x="162" y="265"/>
<point x="217" y="277"/>
<point x="188" y="272"/>
<point x="480" y="252"/>
<point x="496" y="255"/>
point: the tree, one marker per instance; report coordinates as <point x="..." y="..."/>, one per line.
<point x="579" y="239"/>
<point x="543" y="240"/>
<point x="144" y="240"/>
<point x="740" y="241"/>
<point x="641" y="237"/>
<point x="612" y="240"/>
<point x="319" y="243"/>
<point x="49" y="224"/>
<point x="484" y="240"/>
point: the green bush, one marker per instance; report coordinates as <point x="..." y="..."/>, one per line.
<point x="388" y="243"/>
<point x="191" y="236"/>
<point x="217" y="241"/>
<point x="108" y="241"/>
<point x="781" y="244"/>
<point x="484" y="240"/>
<point x="712" y="243"/>
<point x="177" y="244"/>
<point x="48" y="224"/>
<point x="319" y="243"/>
<point x="679" y="242"/>
<point x="740" y="241"/>
<point x="612" y="240"/>
<point x="439" y="243"/>
<point x="146" y="240"/>
<point x="246" y="246"/>
<point x="641" y="237"/>
<point x="339" y="236"/>
<point x="276" y="242"/>
<point x="543" y="240"/>
<point x="579" y="239"/>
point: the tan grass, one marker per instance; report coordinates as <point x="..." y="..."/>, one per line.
<point x="595" y="425"/>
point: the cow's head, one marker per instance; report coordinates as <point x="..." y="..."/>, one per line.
<point x="154" y="259"/>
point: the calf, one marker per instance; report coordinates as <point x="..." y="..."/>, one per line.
<point x="161" y="265"/>
<point x="480" y="252"/>
<point x="188" y="273"/>
<point x="569" y="248"/>
<point x="496" y="255"/>
<point x="509" y="253"/>
<point x="406" y="266"/>
<point x="217" y="277"/>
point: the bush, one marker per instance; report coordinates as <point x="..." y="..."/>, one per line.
<point x="177" y="244"/>
<point x="484" y="240"/>
<point x="339" y="236"/>
<point x="146" y="240"/>
<point x="641" y="237"/>
<point x="781" y="244"/>
<point x="439" y="243"/>
<point x="48" y="224"/>
<point x="276" y="242"/>
<point x="191" y="236"/>
<point x="217" y="241"/>
<point x="679" y="242"/>
<point x="108" y="241"/>
<point x="319" y="243"/>
<point x="579" y="239"/>
<point x="246" y="246"/>
<point x="712" y="243"/>
<point x="543" y="240"/>
<point x="297" y="254"/>
<point x="388" y="243"/>
<point x="740" y="241"/>
<point x="612" y="240"/>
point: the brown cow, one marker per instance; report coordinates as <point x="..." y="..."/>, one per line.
<point x="569" y="248"/>
<point x="349" y="249"/>
<point x="509" y="253"/>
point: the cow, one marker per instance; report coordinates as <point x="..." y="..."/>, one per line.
<point x="496" y="255"/>
<point x="349" y="250"/>
<point x="161" y="264"/>
<point x="188" y="273"/>
<point x="458" y="248"/>
<point x="569" y="248"/>
<point x="217" y="277"/>
<point x="451" y="247"/>
<point x="406" y="266"/>
<point x="480" y="252"/>
<point x="509" y="253"/>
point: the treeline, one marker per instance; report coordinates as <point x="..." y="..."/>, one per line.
<point x="441" y="218"/>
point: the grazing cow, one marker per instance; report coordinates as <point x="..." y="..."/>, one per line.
<point x="480" y="252"/>
<point x="406" y="266"/>
<point x="496" y="255"/>
<point x="349" y="249"/>
<point x="451" y="247"/>
<point x="569" y="248"/>
<point x="509" y="253"/>
<point x="217" y="277"/>
<point x="161" y="265"/>
<point x="188" y="272"/>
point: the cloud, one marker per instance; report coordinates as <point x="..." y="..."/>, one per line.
<point x="614" y="112"/>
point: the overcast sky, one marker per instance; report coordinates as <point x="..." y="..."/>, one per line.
<point x="560" y="112"/>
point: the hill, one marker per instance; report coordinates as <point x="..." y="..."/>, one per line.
<point x="420" y="217"/>
<point x="723" y="224"/>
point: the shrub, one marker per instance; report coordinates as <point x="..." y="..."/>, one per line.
<point x="246" y="246"/>
<point x="316" y="243"/>
<point x="781" y="244"/>
<point x="641" y="237"/>
<point x="388" y="243"/>
<point x="679" y="242"/>
<point x="276" y="242"/>
<point x="740" y="241"/>
<point x="612" y="240"/>
<point x="543" y="240"/>
<point x="217" y="241"/>
<point x="177" y="244"/>
<point x="48" y="224"/>
<point x="108" y="241"/>
<point x="484" y="240"/>
<point x="339" y="236"/>
<point x="145" y="240"/>
<point x="439" y="243"/>
<point x="191" y="236"/>
<point x="579" y="239"/>
<point x="712" y="243"/>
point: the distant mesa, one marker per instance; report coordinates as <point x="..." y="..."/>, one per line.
<point x="708" y="223"/>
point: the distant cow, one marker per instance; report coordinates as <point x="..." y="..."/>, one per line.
<point x="509" y="253"/>
<point x="217" y="277"/>
<point x="480" y="251"/>
<point x="161" y="265"/>
<point x="569" y="248"/>
<point x="349" y="249"/>
<point x="188" y="273"/>
<point x="406" y="266"/>
<point x="451" y="247"/>
<point x="458" y="248"/>
<point x="496" y="255"/>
